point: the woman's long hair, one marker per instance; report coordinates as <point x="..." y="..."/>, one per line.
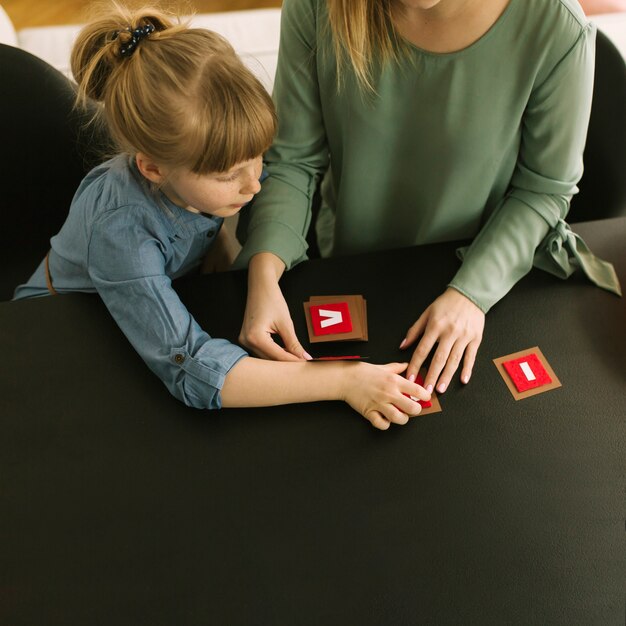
<point x="363" y="37"/>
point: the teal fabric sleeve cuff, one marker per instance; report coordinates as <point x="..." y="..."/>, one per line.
<point x="563" y="251"/>
<point x="277" y="238"/>
<point x="506" y="249"/>
<point x="500" y="254"/>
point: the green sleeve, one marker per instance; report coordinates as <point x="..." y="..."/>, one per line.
<point x="548" y="167"/>
<point x="281" y="213"/>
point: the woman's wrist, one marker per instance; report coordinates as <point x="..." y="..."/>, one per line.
<point x="266" y="266"/>
<point x="264" y="272"/>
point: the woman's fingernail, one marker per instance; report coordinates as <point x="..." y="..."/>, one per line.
<point x="412" y="378"/>
<point x="441" y="388"/>
<point x="414" y="398"/>
<point x="403" y="343"/>
<point x="307" y="356"/>
<point x="465" y="380"/>
<point x="429" y="388"/>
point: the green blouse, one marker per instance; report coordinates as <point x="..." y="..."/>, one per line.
<point x="484" y="143"/>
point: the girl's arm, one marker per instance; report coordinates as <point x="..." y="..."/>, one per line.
<point x="377" y="392"/>
<point x="127" y="268"/>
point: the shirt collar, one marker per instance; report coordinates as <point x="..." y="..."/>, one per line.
<point x="183" y="222"/>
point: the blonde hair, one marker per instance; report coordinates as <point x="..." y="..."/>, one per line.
<point x="182" y="96"/>
<point x="363" y="36"/>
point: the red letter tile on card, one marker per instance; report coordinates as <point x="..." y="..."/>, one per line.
<point x="331" y="318"/>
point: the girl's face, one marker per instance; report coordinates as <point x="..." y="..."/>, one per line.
<point x="221" y="194"/>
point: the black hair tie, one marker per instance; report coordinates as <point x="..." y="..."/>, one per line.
<point x="137" y="34"/>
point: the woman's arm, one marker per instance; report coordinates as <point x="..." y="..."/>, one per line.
<point x="280" y="215"/>
<point x="275" y="237"/>
<point x="548" y="168"/>
<point x="267" y="313"/>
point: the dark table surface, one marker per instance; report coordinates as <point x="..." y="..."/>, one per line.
<point x="119" y="505"/>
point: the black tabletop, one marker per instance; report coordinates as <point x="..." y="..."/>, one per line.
<point x="119" y="505"/>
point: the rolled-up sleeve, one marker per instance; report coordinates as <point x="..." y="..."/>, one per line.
<point x="127" y="266"/>
<point x="548" y="169"/>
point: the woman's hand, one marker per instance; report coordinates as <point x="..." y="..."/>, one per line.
<point x="456" y="324"/>
<point x="267" y="313"/>
<point x="381" y="395"/>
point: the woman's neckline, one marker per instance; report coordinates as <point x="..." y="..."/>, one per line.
<point x="466" y="48"/>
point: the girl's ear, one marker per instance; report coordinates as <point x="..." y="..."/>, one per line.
<point x="149" y="169"/>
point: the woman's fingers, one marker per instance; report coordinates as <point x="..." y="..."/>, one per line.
<point x="455" y="324"/>
<point x="262" y="344"/>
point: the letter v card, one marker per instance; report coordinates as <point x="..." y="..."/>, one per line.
<point x="336" y="318"/>
<point x="330" y="318"/>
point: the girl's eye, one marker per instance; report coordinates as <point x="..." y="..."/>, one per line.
<point x="228" y="179"/>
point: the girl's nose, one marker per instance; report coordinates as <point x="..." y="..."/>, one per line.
<point x="252" y="185"/>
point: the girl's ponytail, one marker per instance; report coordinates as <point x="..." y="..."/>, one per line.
<point x="178" y="94"/>
<point x="106" y="43"/>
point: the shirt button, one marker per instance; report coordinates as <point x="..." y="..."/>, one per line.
<point x="179" y="358"/>
<point x="210" y="233"/>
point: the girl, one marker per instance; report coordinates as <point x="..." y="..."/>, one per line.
<point x="191" y="123"/>
<point x="428" y="120"/>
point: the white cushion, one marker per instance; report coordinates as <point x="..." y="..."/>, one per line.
<point x="254" y="34"/>
<point x="7" y="32"/>
<point x="613" y="25"/>
<point x="50" y="43"/>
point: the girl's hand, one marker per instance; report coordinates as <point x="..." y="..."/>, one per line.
<point x="381" y="395"/>
<point x="457" y="324"/>
<point x="267" y="314"/>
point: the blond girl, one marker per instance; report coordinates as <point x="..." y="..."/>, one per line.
<point x="190" y="123"/>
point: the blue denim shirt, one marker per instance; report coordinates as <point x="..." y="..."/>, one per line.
<point x="127" y="241"/>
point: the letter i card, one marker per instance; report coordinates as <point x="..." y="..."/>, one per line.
<point x="527" y="373"/>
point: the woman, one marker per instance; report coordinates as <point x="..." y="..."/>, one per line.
<point x="428" y="120"/>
